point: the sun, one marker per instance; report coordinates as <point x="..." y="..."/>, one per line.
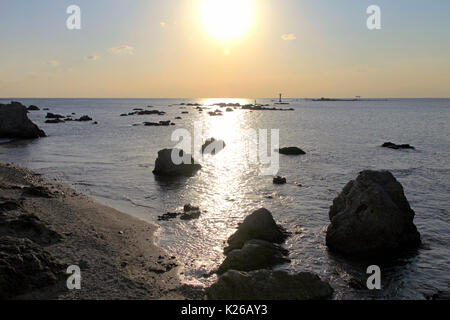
<point x="226" y="19"/>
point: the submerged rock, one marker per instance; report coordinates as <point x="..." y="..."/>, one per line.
<point x="14" y="122"/>
<point x="394" y="146"/>
<point x="56" y="120"/>
<point x="164" y="166"/>
<point x="259" y="225"/>
<point x="85" y="118"/>
<point x="54" y="116"/>
<point x="291" y="151"/>
<point x="371" y="216"/>
<point x="213" y="146"/>
<point x="254" y="255"/>
<point x="269" y="285"/>
<point x="25" y="267"/>
<point x="190" y="212"/>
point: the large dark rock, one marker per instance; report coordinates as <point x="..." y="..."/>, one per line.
<point x="259" y="225"/>
<point x="254" y="255"/>
<point x="164" y="166"/>
<point x="269" y="285"/>
<point x="25" y="267"/>
<point x="14" y="122"/>
<point x="371" y="216"/>
<point x="294" y="151"/>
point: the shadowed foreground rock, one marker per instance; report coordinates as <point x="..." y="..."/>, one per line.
<point x="254" y="255"/>
<point x="14" y="122"/>
<point x="25" y="266"/>
<point x="259" y="225"/>
<point x="372" y="217"/>
<point x="164" y="165"/>
<point x="269" y="285"/>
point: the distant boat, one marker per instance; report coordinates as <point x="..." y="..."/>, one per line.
<point x="281" y="100"/>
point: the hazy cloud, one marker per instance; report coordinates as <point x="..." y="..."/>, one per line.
<point x="163" y="24"/>
<point x="52" y="63"/>
<point x="288" y="37"/>
<point x="126" y="49"/>
<point x="92" y="58"/>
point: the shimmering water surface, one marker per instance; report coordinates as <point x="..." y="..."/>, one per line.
<point x="113" y="161"/>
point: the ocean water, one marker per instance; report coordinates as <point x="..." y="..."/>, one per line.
<point x="113" y="162"/>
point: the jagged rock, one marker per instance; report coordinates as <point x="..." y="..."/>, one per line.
<point x="164" y="166"/>
<point x="394" y="146"/>
<point x="254" y="255"/>
<point x="258" y="225"/>
<point x="371" y="217"/>
<point x="25" y="267"/>
<point x="33" y="108"/>
<point x="269" y="285"/>
<point x="291" y="151"/>
<point x="14" y="122"/>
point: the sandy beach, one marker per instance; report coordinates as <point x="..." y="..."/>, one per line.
<point x="115" y="251"/>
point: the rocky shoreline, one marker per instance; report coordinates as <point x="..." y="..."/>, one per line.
<point x="46" y="227"/>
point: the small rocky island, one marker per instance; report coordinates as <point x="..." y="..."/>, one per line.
<point x="14" y="122"/>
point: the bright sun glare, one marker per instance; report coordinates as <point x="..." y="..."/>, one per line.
<point x="226" y="19"/>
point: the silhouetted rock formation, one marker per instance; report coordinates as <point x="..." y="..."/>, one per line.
<point x="371" y="216"/>
<point x="164" y="166"/>
<point x="259" y="225"/>
<point x="14" y="122"/>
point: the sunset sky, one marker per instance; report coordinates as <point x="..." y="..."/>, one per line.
<point x="177" y="48"/>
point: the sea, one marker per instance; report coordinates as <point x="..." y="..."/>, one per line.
<point x="113" y="160"/>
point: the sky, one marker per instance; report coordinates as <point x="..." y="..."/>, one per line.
<point x="168" y="49"/>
